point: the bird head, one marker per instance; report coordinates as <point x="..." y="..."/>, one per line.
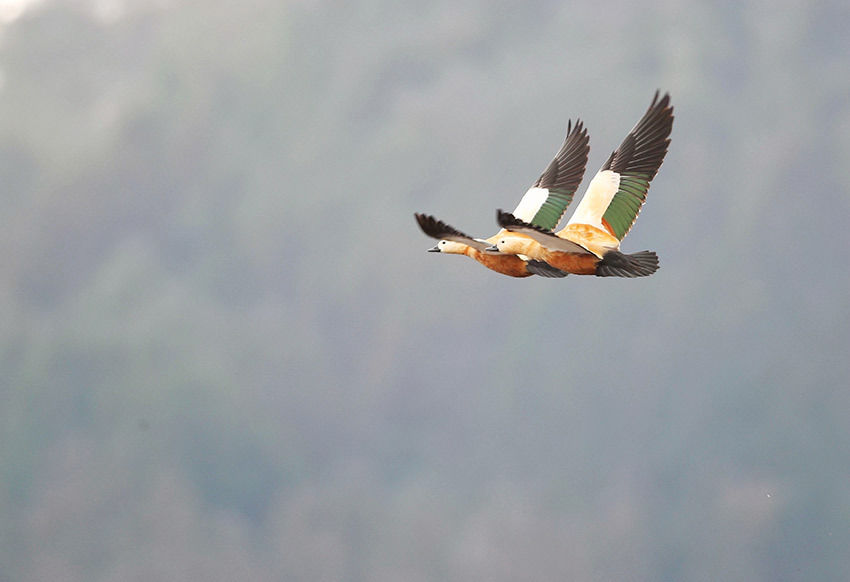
<point x="514" y="244"/>
<point x="449" y="247"/>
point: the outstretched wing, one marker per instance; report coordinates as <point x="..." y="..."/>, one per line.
<point x="544" y="203"/>
<point x="510" y="222"/>
<point x="439" y="230"/>
<point x="617" y="192"/>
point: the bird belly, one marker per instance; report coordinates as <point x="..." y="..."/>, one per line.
<point x="510" y="265"/>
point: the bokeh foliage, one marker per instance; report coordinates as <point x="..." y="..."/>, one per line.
<point x="225" y="354"/>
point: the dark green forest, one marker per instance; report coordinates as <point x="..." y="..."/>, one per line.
<point x="226" y="355"/>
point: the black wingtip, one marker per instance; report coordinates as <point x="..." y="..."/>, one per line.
<point x="578" y="127"/>
<point x="661" y="107"/>
<point x="436" y="228"/>
<point x="665" y="99"/>
<point x="427" y="223"/>
<point x="508" y="221"/>
<point x="566" y="169"/>
<point x="617" y="264"/>
<point x="644" y="148"/>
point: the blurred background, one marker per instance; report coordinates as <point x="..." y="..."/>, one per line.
<point x="225" y="354"/>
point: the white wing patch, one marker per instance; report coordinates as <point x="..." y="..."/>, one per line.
<point x="531" y="203"/>
<point x="595" y="201"/>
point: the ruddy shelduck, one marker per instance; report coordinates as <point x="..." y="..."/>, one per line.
<point x="590" y="242"/>
<point x="542" y="206"/>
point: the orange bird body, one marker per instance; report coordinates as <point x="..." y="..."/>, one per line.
<point x="543" y="206"/>
<point x="590" y="242"/>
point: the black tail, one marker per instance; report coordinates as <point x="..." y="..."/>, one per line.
<point x="617" y="264"/>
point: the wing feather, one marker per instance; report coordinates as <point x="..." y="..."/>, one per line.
<point x="616" y="194"/>
<point x="637" y="161"/>
<point x="545" y="237"/>
<point x="439" y="230"/>
<point x="546" y="202"/>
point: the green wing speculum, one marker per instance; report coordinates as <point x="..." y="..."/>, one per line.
<point x="637" y="161"/>
<point x="563" y="177"/>
<point x="545" y="203"/>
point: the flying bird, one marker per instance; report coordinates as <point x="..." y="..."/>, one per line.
<point x="542" y="206"/>
<point x="590" y="242"/>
